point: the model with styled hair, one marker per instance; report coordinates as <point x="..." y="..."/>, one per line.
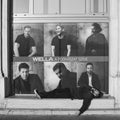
<point x="25" y="83"/>
<point x="96" y="44"/>
<point x="61" y="44"/>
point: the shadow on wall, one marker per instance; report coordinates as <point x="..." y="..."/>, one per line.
<point x="8" y="87"/>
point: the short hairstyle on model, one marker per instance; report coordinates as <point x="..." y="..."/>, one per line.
<point x="97" y="27"/>
<point x="59" y="66"/>
<point x="27" y="26"/>
<point x="23" y="65"/>
<point x="89" y="63"/>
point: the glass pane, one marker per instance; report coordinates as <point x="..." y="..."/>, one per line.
<point x="96" y="5"/>
<point x="38" y="6"/>
<point x="53" y="7"/>
<point x="72" y="6"/>
<point x="46" y="6"/>
<point x="100" y="6"/>
<point x="20" y="6"/>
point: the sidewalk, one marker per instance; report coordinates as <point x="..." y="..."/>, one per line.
<point x="30" y="105"/>
<point x="30" y="108"/>
<point x="69" y="117"/>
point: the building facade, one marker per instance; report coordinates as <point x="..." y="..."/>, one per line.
<point x="45" y="14"/>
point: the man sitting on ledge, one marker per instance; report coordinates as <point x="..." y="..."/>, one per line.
<point x="67" y="90"/>
<point x="25" y="83"/>
<point x="91" y="81"/>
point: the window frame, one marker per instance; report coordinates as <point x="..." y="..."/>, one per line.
<point x="30" y="19"/>
<point x="89" y="9"/>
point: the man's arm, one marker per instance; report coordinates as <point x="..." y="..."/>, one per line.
<point x="86" y="48"/>
<point x="34" y="51"/>
<point x="53" y="50"/>
<point x="35" y="83"/>
<point x="16" y="46"/>
<point x="68" y="50"/>
<point x="96" y="83"/>
<point x="81" y="81"/>
<point x="17" y="86"/>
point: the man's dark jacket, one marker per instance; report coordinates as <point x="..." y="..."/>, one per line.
<point x="84" y="81"/>
<point x="27" y="87"/>
<point x="69" y="80"/>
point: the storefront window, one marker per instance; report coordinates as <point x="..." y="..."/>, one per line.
<point x="38" y="48"/>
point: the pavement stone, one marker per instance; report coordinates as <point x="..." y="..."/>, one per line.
<point x="67" y="117"/>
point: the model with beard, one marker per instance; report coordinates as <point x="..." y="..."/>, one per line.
<point x="96" y="44"/>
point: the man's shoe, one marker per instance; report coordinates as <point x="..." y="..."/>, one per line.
<point x="79" y="113"/>
<point x="36" y="93"/>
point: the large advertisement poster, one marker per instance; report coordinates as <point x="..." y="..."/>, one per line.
<point x="50" y="56"/>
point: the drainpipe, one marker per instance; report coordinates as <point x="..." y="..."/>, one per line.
<point x="2" y="82"/>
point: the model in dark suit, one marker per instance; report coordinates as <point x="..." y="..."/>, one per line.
<point x="84" y="81"/>
<point x="25" y="83"/>
<point x="90" y="80"/>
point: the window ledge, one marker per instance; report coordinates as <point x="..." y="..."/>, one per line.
<point x="24" y="18"/>
<point x="29" y="104"/>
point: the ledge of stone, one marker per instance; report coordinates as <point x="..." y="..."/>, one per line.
<point x="30" y="102"/>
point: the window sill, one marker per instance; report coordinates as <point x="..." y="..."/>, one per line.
<point x="30" y="102"/>
<point x="30" y="105"/>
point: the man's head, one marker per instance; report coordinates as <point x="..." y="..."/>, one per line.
<point x="27" y="30"/>
<point x="89" y="68"/>
<point x="24" y="71"/>
<point x="59" y="29"/>
<point x="60" y="69"/>
<point x="96" y="28"/>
